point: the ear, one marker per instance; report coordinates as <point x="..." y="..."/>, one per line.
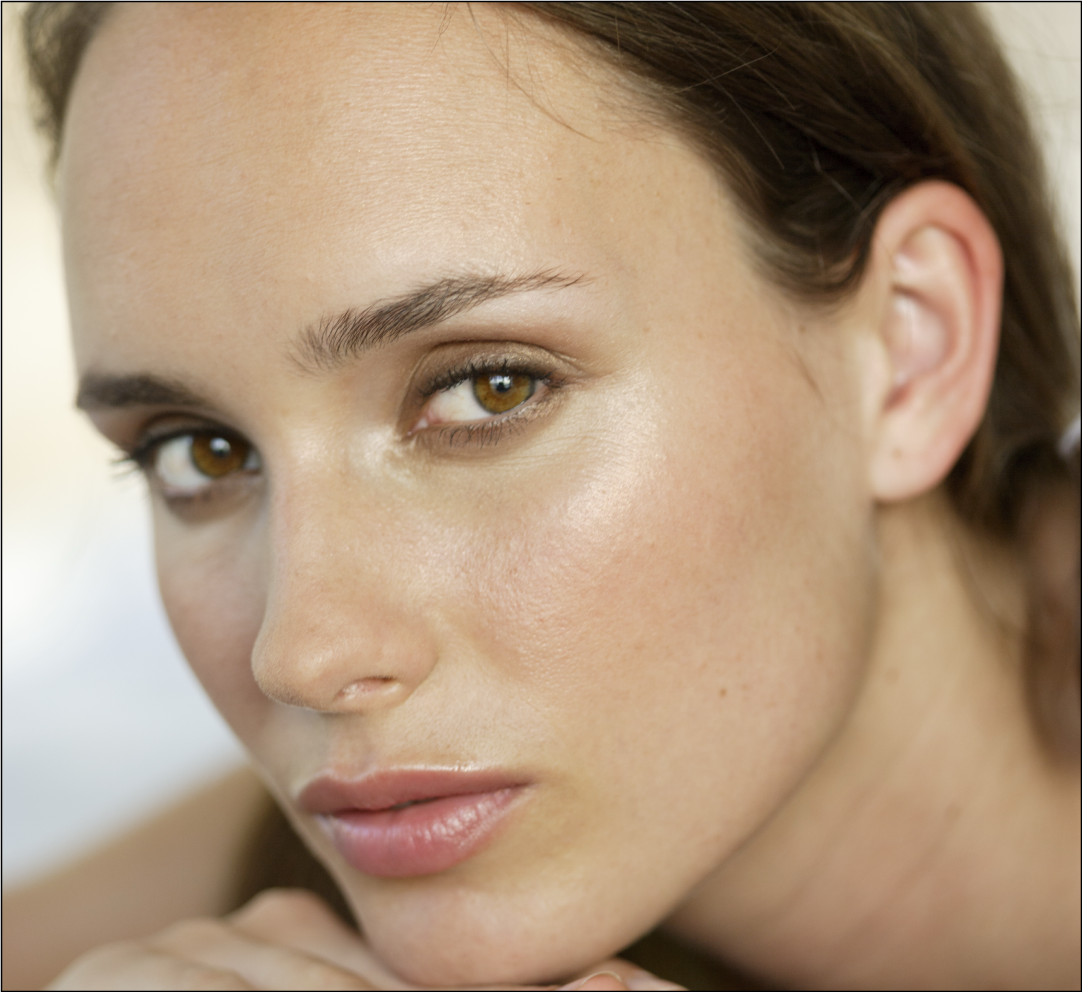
<point x="935" y="274"/>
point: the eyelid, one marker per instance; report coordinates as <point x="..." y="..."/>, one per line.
<point x="148" y="441"/>
<point x="488" y="365"/>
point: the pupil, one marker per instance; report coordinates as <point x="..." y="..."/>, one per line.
<point x="220" y="447"/>
<point x="501" y="383"/>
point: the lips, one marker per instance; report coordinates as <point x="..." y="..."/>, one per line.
<point x="412" y="822"/>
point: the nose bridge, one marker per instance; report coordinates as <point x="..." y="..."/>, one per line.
<point x="341" y="631"/>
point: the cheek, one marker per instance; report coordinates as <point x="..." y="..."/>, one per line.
<point x="215" y="604"/>
<point x="689" y="604"/>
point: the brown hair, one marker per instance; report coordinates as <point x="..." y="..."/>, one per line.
<point x="817" y="114"/>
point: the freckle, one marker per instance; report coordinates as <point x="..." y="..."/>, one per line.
<point x="723" y="693"/>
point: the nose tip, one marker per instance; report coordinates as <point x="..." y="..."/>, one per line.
<point x="343" y="628"/>
<point x="334" y="680"/>
<point x="345" y="661"/>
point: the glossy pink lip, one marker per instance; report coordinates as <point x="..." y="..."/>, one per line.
<point x="411" y="822"/>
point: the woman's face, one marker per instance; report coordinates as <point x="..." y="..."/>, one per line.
<point x="510" y="462"/>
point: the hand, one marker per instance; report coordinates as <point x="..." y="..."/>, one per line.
<point x="283" y="939"/>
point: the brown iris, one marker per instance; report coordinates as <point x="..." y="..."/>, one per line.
<point x="216" y="456"/>
<point x="501" y="392"/>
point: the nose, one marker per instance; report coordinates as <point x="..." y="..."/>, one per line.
<point x="341" y="632"/>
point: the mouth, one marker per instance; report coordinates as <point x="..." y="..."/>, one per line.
<point x="412" y="822"/>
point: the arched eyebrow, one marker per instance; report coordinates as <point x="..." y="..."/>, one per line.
<point x="338" y="338"/>
<point x="335" y="339"/>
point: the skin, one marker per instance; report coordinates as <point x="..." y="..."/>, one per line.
<point x="703" y="591"/>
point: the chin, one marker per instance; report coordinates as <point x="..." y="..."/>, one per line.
<point x="472" y="938"/>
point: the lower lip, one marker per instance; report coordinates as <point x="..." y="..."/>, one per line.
<point x="421" y="839"/>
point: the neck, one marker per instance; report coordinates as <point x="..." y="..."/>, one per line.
<point x="934" y="844"/>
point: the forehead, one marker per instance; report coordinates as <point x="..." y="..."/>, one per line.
<point x="342" y="145"/>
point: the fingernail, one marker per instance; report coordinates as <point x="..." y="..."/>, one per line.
<point x="583" y="982"/>
<point x="643" y="981"/>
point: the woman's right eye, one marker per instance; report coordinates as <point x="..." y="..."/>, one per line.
<point x="190" y="464"/>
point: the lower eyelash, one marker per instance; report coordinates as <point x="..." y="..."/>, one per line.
<point x="124" y="466"/>
<point x="486" y="433"/>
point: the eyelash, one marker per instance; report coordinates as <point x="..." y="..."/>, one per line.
<point x="142" y="455"/>
<point x="482" y="433"/>
<point x="476" y="367"/>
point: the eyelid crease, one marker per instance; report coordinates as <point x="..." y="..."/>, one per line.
<point x="474" y="367"/>
<point x="148" y="442"/>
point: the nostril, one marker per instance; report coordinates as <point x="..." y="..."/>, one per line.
<point x="364" y="689"/>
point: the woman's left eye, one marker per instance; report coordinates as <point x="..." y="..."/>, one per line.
<point x="480" y="397"/>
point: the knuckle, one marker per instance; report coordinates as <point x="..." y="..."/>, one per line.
<point x="332" y="979"/>
<point x="278" y="904"/>
<point x="110" y="955"/>
<point x="188" y="934"/>
<point x="196" y="977"/>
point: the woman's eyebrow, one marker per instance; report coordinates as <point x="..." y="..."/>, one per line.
<point x="101" y="392"/>
<point x="337" y="338"/>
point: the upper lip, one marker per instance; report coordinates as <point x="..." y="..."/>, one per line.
<point x="380" y="790"/>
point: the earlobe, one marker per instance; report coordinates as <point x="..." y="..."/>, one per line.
<point x="940" y="278"/>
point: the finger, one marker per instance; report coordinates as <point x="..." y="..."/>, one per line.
<point x="614" y="974"/>
<point x="300" y="920"/>
<point x="137" y="967"/>
<point x="630" y="976"/>
<point x="263" y="965"/>
<point x="602" y="981"/>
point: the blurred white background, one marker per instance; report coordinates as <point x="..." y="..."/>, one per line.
<point x="102" y="722"/>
